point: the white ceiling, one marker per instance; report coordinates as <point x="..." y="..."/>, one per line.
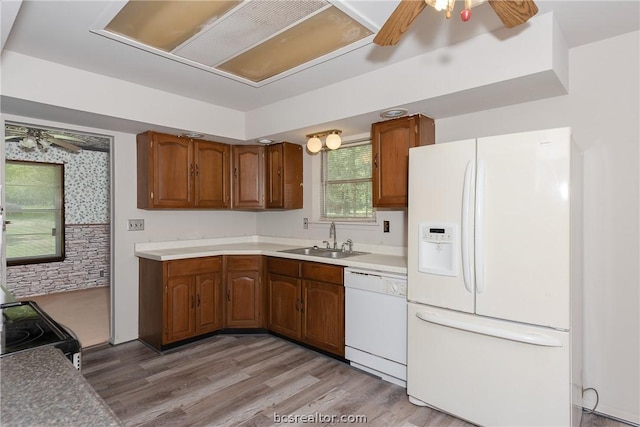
<point x="59" y="31"/>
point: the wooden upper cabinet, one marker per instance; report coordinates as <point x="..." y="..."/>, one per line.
<point x="248" y="176"/>
<point x="164" y="171"/>
<point x="284" y="176"/>
<point x="179" y="173"/>
<point x="212" y="183"/>
<point x="391" y="140"/>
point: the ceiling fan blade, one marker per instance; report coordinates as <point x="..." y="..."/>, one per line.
<point x="399" y="22"/>
<point x="8" y="138"/>
<point x="514" y="12"/>
<point x="65" y="145"/>
<point x="65" y="137"/>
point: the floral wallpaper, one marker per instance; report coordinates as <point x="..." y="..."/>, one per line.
<point x="86" y="180"/>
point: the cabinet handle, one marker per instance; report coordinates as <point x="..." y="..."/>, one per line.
<point x="302" y="306"/>
<point x="297" y="304"/>
<point x="197" y="170"/>
<point x="193" y="301"/>
<point x="375" y="161"/>
<point x="198" y="305"/>
<point x="229" y="295"/>
<point x="191" y="169"/>
<point x="235" y="172"/>
<point x="279" y="173"/>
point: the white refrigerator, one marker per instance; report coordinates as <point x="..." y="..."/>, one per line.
<point x="494" y="279"/>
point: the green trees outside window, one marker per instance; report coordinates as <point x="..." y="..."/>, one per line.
<point x="34" y="196"/>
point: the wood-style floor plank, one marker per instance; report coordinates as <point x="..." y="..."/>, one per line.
<point x="244" y="381"/>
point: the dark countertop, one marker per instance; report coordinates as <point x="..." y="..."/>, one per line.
<point x="41" y="387"/>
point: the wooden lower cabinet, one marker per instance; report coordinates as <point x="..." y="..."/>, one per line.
<point x="183" y="299"/>
<point x="179" y="299"/>
<point x="284" y="305"/>
<point x="306" y="303"/>
<point x="244" y="305"/>
<point x="323" y="316"/>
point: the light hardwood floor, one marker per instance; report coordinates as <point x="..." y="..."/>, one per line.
<point x="85" y="312"/>
<point x="248" y="380"/>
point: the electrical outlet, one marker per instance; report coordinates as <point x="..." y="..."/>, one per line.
<point x="135" y="225"/>
<point x="385" y="226"/>
<point x="305" y="223"/>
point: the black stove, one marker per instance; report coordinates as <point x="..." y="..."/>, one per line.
<point x="26" y="326"/>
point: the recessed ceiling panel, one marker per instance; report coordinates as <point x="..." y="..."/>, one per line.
<point x="166" y="24"/>
<point x="244" y="28"/>
<point x="319" y="35"/>
<point x="252" y="41"/>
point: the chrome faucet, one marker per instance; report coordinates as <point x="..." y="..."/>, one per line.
<point x="332" y="234"/>
<point x="349" y="244"/>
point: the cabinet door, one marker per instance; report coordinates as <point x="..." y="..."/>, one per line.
<point x="391" y="141"/>
<point x="243" y="299"/>
<point x="208" y="312"/>
<point x="248" y="176"/>
<point x="211" y="174"/>
<point x="284" y="176"/>
<point x="173" y="170"/>
<point x="284" y="305"/>
<point x="323" y="316"/>
<point x="275" y="176"/>
<point x="179" y="318"/>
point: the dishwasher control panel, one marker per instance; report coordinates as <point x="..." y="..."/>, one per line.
<point x="376" y="281"/>
<point x="395" y="287"/>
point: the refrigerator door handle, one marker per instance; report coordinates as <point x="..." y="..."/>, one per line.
<point x="466" y="245"/>
<point x="533" y="338"/>
<point x="479" y="227"/>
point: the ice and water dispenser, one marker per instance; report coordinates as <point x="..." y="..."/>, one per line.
<point x="438" y="249"/>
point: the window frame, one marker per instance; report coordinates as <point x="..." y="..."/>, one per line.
<point x="371" y="220"/>
<point x="61" y="240"/>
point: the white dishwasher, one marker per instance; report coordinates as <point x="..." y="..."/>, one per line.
<point x="376" y="323"/>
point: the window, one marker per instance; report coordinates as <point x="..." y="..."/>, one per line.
<point x="35" y="212"/>
<point x="346" y="183"/>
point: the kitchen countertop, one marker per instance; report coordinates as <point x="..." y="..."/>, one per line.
<point x="41" y="387"/>
<point x="166" y="251"/>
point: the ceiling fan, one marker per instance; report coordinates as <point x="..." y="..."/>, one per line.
<point x="511" y="12"/>
<point x="29" y="139"/>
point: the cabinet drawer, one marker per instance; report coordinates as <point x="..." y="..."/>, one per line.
<point x="286" y="267"/>
<point x="185" y="267"/>
<point x="322" y="272"/>
<point x="243" y="262"/>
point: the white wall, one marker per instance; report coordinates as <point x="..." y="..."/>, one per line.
<point x="602" y="107"/>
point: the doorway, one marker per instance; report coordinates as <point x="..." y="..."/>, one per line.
<point x="76" y="290"/>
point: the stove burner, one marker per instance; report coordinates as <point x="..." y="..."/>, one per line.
<point x="26" y="326"/>
<point x="19" y="337"/>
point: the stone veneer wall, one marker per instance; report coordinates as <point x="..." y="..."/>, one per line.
<point x="86" y="265"/>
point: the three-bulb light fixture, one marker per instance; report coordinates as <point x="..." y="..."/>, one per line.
<point x="333" y="141"/>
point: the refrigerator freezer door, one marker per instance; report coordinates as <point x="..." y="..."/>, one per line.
<point x="495" y="379"/>
<point x="522" y="227"/>
<point x="439" y="176"/>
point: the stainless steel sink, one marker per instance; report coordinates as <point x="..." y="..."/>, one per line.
<point x="323" y="252"/>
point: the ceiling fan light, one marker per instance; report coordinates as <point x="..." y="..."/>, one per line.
<point x="441" y="5"/>
<point x="333" y="141"/>
<point x="28" y="142"/>
<point x="314" y="144"/>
